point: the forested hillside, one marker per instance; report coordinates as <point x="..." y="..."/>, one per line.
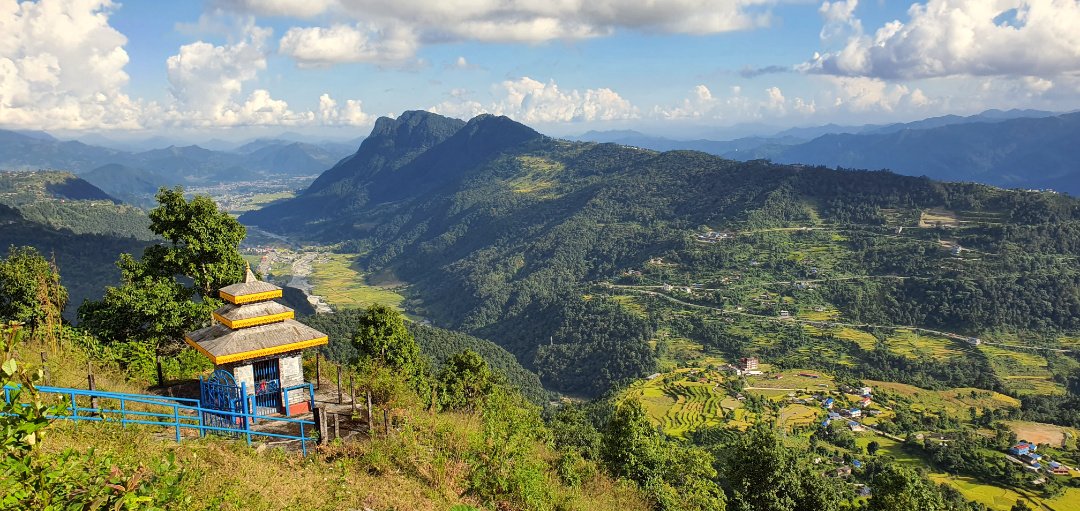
<point x="500" y="231"/>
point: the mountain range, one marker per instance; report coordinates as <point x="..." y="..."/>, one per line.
<point x="1013" y="149"/>
<point x="495" y="226"/>
<point x="133" y="176"/>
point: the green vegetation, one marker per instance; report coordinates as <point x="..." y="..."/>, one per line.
<point x="62" y="201"/>
<point x="343" y="286"/>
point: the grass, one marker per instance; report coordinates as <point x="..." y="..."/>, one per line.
<point x="537" y="177"/>
<point x="1023" y="373"/>
<point x="339" y="283"/>
<point x="916" y="346"/>
<point x="934" y="217"/>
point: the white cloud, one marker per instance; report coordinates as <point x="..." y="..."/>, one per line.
<point x="703" y="104"/>
<point x="530" y="101"/>
<point x="861" y="94"/>
<point x="351" y="114"/>
<point x="318" y="46"/>
<point x="205" y="79"/>
<point x="62" y="65"/>
<point x="387" y="30"/>
<point x="292" y="8"/>
<point x="959" y="37"/>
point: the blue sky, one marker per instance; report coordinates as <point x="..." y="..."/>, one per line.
<point x="682" y="68"/>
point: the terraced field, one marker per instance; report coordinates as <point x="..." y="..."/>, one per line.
<point x="1022" y="372"/>
<point x="341" y="285"/>
<point x="955" y="402"/>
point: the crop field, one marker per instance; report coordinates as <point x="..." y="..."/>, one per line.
<point x="917" y="346"/>
<point x="955" y="402"/>
<point x="630" y="303"/>
<point x="1022" y="372"/>
<point x="341" y="285"/>
<point x="938" y="217"/>
<point x="865" y="340"/>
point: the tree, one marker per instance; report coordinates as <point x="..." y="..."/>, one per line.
<point x="763" y="473"/>
<point x="30" y="290"/>
<point x="203" y="241"/>
<point x="899" y="488"/>
<point x="145" y="308"/>
<point x="872" y="447"/>
<point x="464" y="381"/>
<point x="382" y="338"/>
<point x="676" y="477"/>
<point x="155" y="302"/>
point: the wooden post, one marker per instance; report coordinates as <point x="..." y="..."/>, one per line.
<point x="339" y="397"/>
<point x="320" y="424"/>
<point x="90" y="384"/>
<point x="318" y="370"/>
<point x="160" y="373"/>
<point x="45" y="367"/>
<point x="370" y="421"/>
<point x="337" y="425"/>
<point x="386" y="422"/>
<point x="352" y="394"/>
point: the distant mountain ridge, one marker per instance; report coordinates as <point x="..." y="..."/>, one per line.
<point x="128" y="175"/>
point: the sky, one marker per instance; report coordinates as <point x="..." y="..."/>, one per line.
<point x="679" y="68"/>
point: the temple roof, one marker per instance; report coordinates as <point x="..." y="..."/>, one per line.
<point x="252" y="314"/>
<point x="223" y="345"/>
<point x="250" y="290"/>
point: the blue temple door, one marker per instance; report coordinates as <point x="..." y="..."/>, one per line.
<point x="267" y="387"/>
<point x="220" y="392"/>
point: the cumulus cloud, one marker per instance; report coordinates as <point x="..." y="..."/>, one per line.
<point x="863" y="94"/>
<point x="531" y="101"/>
<point x="62" y="65"/>
<point x="205" y="79"/>
<point x="292" y="8"/>
<point x="957" y="37"/>
<point x="401" y="25"/>
<point x="350" y="114"/>
<point x="703" y="104"/>
<point x="318" y="46"/>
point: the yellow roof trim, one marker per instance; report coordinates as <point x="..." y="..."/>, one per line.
<point x="200" y="349"/>
<point x="256" y="297"/>
<point x="284" y="348"/>
<point x="256" y="321"/>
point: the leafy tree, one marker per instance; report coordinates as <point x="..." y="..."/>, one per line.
<point x="507" y="469"/>
<point x="30" y="290"/>
<point x="145" y="308"/>
<point x="572" y="429"/>
<point x="763" y="473"/>
<point x="381" y="337"/>
<point x="154" y="302"/>
<point x="675" y="476"/>
<point x="464" y="381"/>
<point x="899" y="488"/>
<point x="202" y="240"/>
<point x="872" y="447"/>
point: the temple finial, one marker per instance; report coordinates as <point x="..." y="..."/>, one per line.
<point x="249" y="277"/>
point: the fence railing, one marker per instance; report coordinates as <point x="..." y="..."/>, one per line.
<point x="178" y="414"/>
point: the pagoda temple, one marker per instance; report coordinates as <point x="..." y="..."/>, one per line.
<point x="257" y="341"/>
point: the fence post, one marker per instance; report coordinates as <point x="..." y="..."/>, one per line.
<point x="339" y="384"/>
<point x="303" y="439"/>
<point x="246" y="416"/>
<point x="90" y="385"/>
<point x="337" y="425"/>
<point x="320" y="425"/>
<point x="45" y="367"/>
<point x="318" y="371"/>
<point x="285" y="399"/>
<point x="311" y="397"/>
<point x="370" y="421"/>
<point x="352" y="393"/>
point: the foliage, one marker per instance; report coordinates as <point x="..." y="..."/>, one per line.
<point x="30" y="289"/>
<point x="464" y="381"/>
<point x="203" y="241"/>
<point x="507" y="467"/>
<point x="675" y="476"/>
<point x="436" y="344"/>
<point x="899" y="488"/>
<point x="153" y="303"/>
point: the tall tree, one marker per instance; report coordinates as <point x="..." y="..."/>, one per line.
<point x="203" y="241"/>
<point x="381" y="338"/>
<point x="171" y="289"/>
<point x="763" y="473"/>
<point x="465" y="380"/>
<point x="30" y="290"/>
<point x="899" y="488"/>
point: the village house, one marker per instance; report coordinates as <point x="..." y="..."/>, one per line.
<point x="1022" y="448"/>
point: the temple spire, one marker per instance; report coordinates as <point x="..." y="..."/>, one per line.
<point x="249" y="277"/>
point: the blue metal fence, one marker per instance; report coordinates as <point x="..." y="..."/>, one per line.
<point x="169" y="412"/>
